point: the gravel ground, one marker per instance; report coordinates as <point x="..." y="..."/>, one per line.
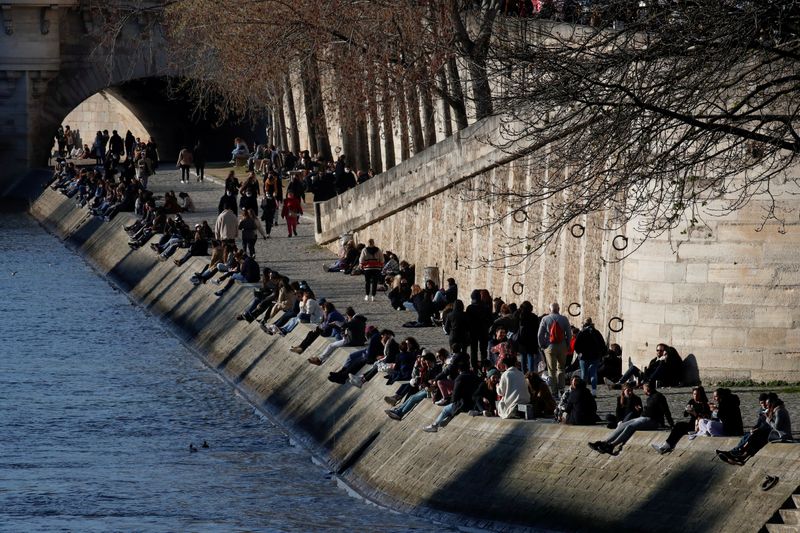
<point x="301" y="258"/>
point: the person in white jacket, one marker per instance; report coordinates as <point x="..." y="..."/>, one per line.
<point x="512" y="389"/>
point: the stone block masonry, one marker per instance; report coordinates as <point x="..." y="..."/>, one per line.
<point x="475" y="471"/>
<point x="724" y="292"/>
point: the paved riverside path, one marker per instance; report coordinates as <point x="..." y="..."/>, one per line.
<point x="300" y="258"/>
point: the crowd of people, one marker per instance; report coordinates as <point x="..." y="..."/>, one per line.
<point x="501" y="359"/>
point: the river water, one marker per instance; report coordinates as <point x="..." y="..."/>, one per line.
<point x="98" y="406"/>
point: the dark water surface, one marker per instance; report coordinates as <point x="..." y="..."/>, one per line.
<point x="98" y="405"/>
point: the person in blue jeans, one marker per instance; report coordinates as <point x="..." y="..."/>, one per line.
<point x="591" y="346"/>
<point x="465" y="386"/>
<point x="655" y="411"/>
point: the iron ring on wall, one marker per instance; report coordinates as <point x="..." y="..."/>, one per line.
<point x="616" y="319"/>
<point x="577" y="230"/>
<point x="520" y="219"/>
<point x="616" y="242"/>
<point x="517" y="288"/>
<point x="571" y="312"/>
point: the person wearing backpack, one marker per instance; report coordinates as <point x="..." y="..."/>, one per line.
<point x="554" y="337"/>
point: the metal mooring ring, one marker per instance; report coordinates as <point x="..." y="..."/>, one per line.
<point x="571" y="311"/>
<point x="616" y="319"/>
<point x="517" y="288"/>
<point x="520" y="219"/>
<point x="616" y="242"/>
<point x="577" y="231"/>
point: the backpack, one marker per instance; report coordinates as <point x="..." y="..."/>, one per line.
<point x="556" y="332"/>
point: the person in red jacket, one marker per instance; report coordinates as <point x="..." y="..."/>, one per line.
<point x="291" y="212"/>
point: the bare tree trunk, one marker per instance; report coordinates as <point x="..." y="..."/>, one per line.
<point x="402" y="112"/>
<point x="412" y="105"/>
<point x="294" y="131"/>
<point x="282" y="142"/>
<point x="388" y="130"/>
<point x="375" y="162"/>
<point x="307" y="103"/>
<point x="428" y="113"/>
<point x="460" y="108"/>
<point x="311" y="71"/>
<point x="347" y="122"/>
<point x="446" y="116"/>
<point x="481" y="92"/>
<point x="362" y="141"/>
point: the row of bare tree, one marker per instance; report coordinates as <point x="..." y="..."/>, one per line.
<point x="656" y="110"/>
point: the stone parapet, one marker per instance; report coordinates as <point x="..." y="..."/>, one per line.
<point x="475" y="471"/>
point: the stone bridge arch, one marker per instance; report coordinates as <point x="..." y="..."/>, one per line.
<point x="49" y="64"/>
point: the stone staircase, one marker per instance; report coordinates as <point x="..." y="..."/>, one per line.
<point x="787" y="518"/>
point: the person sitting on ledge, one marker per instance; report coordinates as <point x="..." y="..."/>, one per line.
<point x="197" y="248"/>
<point x="426" y="368"/>
<point x="465" y="386"/>
<point x="286" y="304"/>
<point x="310" y="313"/>
<point x="399" y="294"/>
<point x="541" y="398"/>
<point x="719" y="418"/>
<point x="629" y="406"/>
<point x="384" y="362"/>
<point x="665" y="368"/>
<point x="222" y="261"/>
<point x="512" y="389"/>
<point x="359" y="358"/>
<point x="655" y="411"/>
<point x="247" y="271"/>
<point x="776" y="426"/>
<point x="581" y="408"/>
<point x="352" y="334"/>
<point x="485" y="396"/>
<point x="331" y="326"/>
<point x="423" y="304"/>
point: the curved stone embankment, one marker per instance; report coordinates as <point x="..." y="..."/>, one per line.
<point x="482" y="470"/>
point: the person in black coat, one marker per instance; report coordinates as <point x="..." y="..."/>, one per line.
<point x="591" y="346"/>
<point x="527" y="336"/>
<point x="464" y="388"/>
<point x="581" y="408"/>
<point x="457" y="326"/>
<point x="479" y="319"/>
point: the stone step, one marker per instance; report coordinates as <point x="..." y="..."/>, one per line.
<point x="791" y="516"/>
<point x="782" y="528"/>
<point x="796" y="500"/>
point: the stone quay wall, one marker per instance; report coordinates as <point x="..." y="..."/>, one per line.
<point x="477" y="471"/>
<point x="722" y="291"/>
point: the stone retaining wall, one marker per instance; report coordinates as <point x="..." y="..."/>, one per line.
<point x="724" y="290"/>
<point x="480" y="470"/>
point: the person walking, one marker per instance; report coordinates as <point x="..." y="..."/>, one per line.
<point x="250" y="227"/>
<point x="371" y="262"/>
<point x="554" y="336"/>
<point x="185" y="161"/>
<point x="292" y="209"/>
<point x="199" y="157"/>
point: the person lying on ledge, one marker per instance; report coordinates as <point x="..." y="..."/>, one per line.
<point x="465" y="386"/>
<point x="197" y="248"/>
<point x="776" y="426"/>
<point x="655" y="411"/>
